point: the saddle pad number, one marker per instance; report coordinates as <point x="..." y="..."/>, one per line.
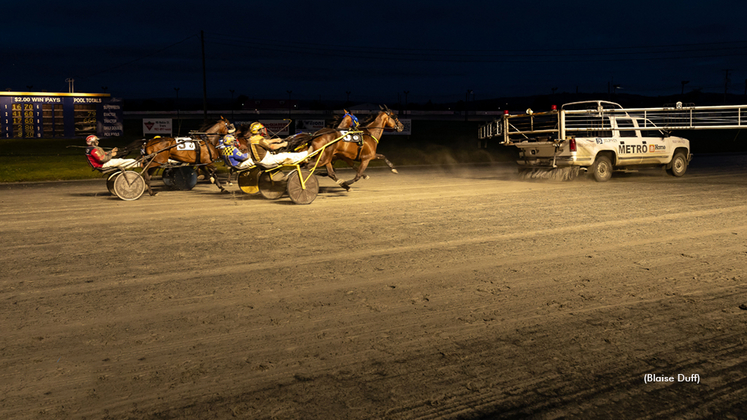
<point x="185" y="145"/>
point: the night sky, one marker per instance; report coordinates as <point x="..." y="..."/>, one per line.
<point x="375" y="50"/>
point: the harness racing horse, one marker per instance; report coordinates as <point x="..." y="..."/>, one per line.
<point x="200" y="152"/>
<point x="363" y="152"/>
<point x="214" y="132"/>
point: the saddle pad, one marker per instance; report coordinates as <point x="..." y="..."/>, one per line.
<point x="185" y="143"/>
<point x="352" y="137"/>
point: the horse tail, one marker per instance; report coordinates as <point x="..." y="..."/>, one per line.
<point x="297" y="142"/>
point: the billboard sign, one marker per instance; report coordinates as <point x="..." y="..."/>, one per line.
<point x="157" y="126"/>
<point x="309" y="125"/>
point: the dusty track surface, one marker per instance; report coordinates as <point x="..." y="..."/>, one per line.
<point x="429" y="294"/>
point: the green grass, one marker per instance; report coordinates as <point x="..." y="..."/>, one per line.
<point x="45" y="168"/>
<point x="23" y="160"/>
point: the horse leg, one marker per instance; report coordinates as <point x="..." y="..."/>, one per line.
<point x="389" y="164"/>
<point x="351" y="163"/>
<point x="212" y="174"/>
<point x="359" y="174"/>
<point x="331" y="173"/>
<point x="146" y="174"/>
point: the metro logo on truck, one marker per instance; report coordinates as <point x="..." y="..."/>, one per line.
<point x="640" y="148"/>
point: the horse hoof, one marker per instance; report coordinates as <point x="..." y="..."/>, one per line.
<point x="366" y="177"/>
<point x="212" y="180"/>
<point x="394" y="171"/>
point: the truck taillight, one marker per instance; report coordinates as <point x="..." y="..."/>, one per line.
<point x="572" y="144"/>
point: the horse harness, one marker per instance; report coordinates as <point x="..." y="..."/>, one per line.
<point x="198" y="149"/>
<point x="357" y="137"/>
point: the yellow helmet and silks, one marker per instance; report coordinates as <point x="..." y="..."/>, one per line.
<point x="256" y="127"/>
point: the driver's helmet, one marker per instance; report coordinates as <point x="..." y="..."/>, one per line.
<point x="229" y="140"/>
<point x="257" y="128"/>
<point x="90" y="140"/>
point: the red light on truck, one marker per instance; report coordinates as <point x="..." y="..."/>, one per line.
<point x="505" y="112"/>
<point x="553" y="107"/>
<point x="572" y="144"/>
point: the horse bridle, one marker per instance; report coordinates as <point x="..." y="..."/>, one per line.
<point x="389" y="113"/>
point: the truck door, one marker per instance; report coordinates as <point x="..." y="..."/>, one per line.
<point x="632" y="149"/>
<point x="657" y="144"/>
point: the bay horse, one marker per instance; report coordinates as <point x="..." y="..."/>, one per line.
<point x="160" y="150"/>
<point x="215" y="131"/>
<point x="351" y="152"/>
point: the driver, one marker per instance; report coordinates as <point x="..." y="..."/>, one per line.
<point x="100" y="159"/>
<point x="233" y="156"/>
<point x="262" y="149"/>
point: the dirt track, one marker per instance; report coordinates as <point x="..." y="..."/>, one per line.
<point x="429" y="294"/>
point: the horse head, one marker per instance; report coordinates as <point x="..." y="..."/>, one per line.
<point x="227" y="126"/>
<point x="391" y="121"/>
<point x="218" y="130"/>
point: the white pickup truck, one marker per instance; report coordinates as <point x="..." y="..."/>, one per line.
<point x="602" y="137"/>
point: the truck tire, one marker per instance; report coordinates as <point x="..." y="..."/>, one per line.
<point x="601" y="170"/>
<point x="678" y="164"/>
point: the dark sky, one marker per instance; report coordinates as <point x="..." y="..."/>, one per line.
<point x="375" y="50"/>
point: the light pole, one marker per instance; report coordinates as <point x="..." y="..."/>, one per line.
<point x="684" y="82"/>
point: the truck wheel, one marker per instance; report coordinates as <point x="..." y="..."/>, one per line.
<point x="602" y="169"/>
<point x="679" y="164"/>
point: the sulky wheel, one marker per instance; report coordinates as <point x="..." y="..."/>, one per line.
<point x="272" y="185"/>
<point x="110" y="182"/>
<point x="249" y="181"/>
<point x="129" y="185"/>
<point x="185" y="178"/>
<point x="168" y="178"/>
<point x="299" y="194"/>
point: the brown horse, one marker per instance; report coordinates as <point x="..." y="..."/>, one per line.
<point x="351" y="152"/>
<point x="214" y="132"/>
<point x="159" y="151"/>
